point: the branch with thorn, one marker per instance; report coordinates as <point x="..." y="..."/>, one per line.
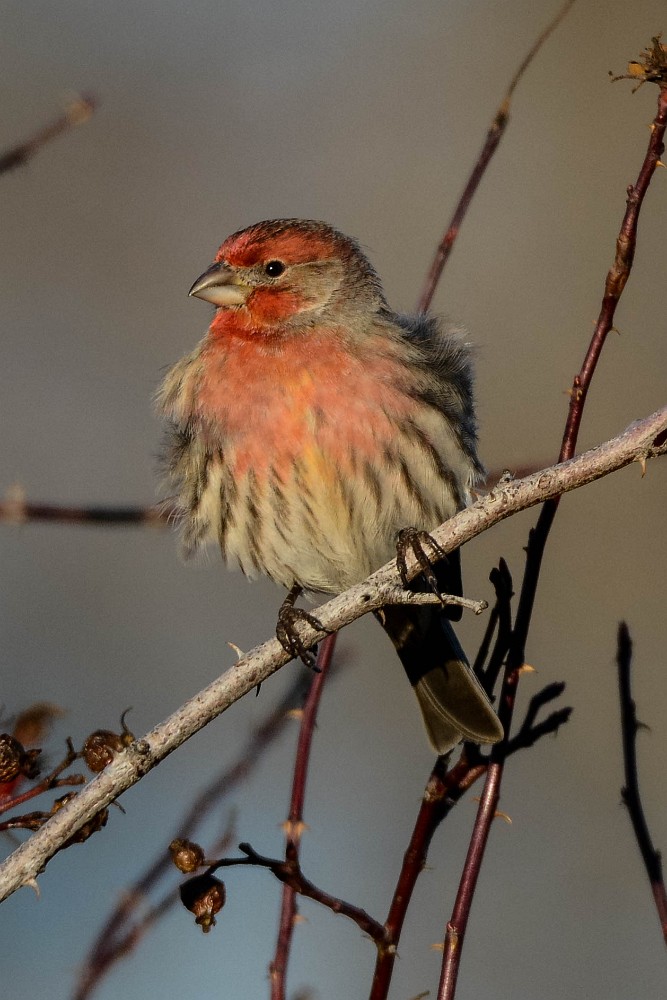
<point x="645" y="439"/>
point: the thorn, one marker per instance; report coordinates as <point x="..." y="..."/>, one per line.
<point x="295" y="713"/>
<point x="659" y="163"/>
<point x="526" y="668"/>
<point x="239" y="652"/>
<point x="438" y="946"/>
<point x="15" y="504"/>
<point x="642" y="462"/>
<point x="80" y="109"/>
<point x="299" y="919"/>
<point x="497" y="814"/>
<point x="615" y="329"/>
<point x="501" y="815"/>
<point x="31" y="883"/>
<point x="293" y="830"/>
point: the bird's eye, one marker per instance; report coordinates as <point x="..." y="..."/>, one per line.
<point x="274" y="268"/>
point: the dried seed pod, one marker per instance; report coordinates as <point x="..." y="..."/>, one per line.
<point x="203" y="895"/>
<point x="15" y="760"/>
<point x="186" y="855"/>
<point x="11" y="752"/>
<point x="102" y="746"/>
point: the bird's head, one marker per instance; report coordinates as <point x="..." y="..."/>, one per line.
<point x="288" y="274"/>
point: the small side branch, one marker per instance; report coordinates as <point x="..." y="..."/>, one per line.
<point x="493" y="136"/>
<point x="630" y="792"/>
<point x="617" y="276"/>
<point x="78" y="112"/>
<point x="15" y="509"/>
<point x="290" y="874"/>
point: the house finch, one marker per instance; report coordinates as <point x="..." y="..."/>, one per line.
<point x="312" y="423"/>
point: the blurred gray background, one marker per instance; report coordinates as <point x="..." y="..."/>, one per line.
<point x="369" y="115"/>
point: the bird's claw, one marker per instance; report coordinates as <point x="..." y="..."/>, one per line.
<point x="287" y="629"/>
<point x="416" y="541"/>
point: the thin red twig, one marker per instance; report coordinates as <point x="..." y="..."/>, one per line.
<point x="294" y="826"/>
<point x="442" y="792"/>
<point x="456" y="927"/>
<point x="493" y="137"/>
<point x="630" y="791"/>
<point x="614" y="285"/>
<point x="616" y="278"/>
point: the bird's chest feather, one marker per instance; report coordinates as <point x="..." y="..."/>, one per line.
<point x="306" y="398"/>
<point x="308" y="458"/>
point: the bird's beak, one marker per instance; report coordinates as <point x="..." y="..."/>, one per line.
<point x="221" y="286"/>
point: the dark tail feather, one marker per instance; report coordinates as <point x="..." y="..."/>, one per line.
<point x="454" y="705"/>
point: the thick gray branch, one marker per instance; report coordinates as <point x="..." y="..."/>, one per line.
<point x="641" y="441"/>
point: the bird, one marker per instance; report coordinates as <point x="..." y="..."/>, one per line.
<point x="312" y="427"/>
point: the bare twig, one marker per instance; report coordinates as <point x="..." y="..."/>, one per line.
<point x="289" y="872"/>
<point x="531" y="730"/>
<point x="399" y="595"/>
<point x="295" y="826"/>
<point x="493" y="137"/>
<point x="443" y="791"/>
<point x="78" y="112"/>
<point x="643" y="440"/>
<point x="617" y="276"/>
<point x="123" y="928"/>
<point x="630" y="791"/>
<point x="456" y="927"/>
<point x="15" y="509"/>
<point x="614" y="285"/>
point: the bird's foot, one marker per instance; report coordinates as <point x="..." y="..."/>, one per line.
<point x="415" y="541"/>
<point x="288" y="631"/>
